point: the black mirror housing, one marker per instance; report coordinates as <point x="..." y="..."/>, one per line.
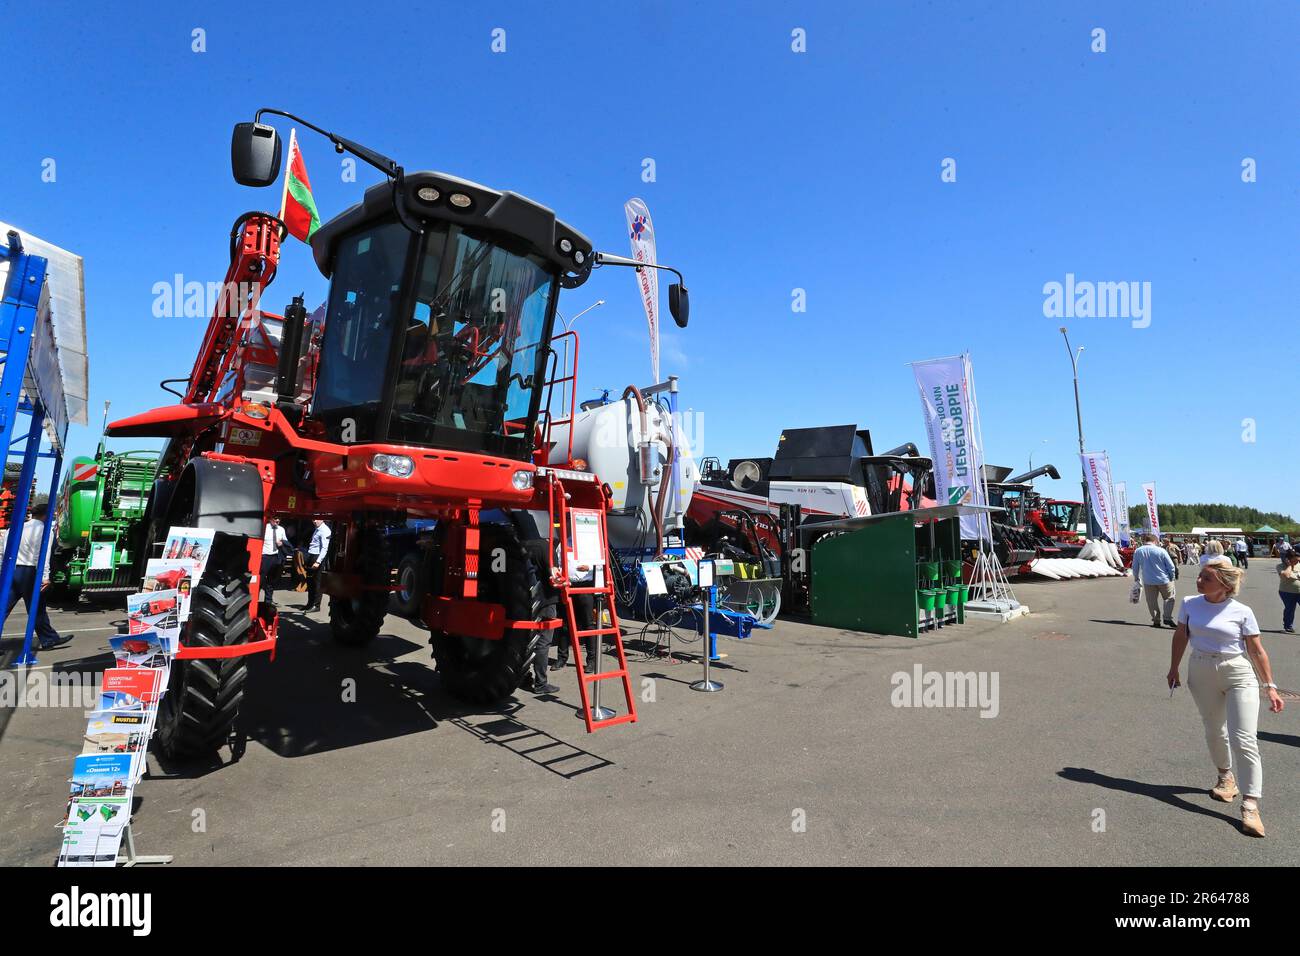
<point x="679" y="304"/>
<point x="255" y="154"/>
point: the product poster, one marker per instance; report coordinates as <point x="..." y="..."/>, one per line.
<point x="173" y="574"/>
<point x="90" y="844"/>
<point x="149" y="649"/>
<point x="189" y="544"/>
<point x="101" y="790"/>
<point x="153" y="610"/>
<point x="115" y="732"/>
<point x="142" y="685"/>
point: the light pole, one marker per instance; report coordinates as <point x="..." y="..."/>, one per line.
<point x="1078" y="417"/>
<point x="1031" y="457"/>
<point x="568" y="323"/>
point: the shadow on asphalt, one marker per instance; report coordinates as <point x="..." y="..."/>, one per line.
<point x="1143" y="624"/>
<point x="1289" y="740"/>
<point x="318" y="696"/>
<point x="1165" y="793"/>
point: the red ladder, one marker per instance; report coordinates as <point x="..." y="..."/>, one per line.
<point x="586" y="487"/>
<point x="599" y="633"/>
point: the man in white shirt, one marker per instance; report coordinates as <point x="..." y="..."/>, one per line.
<point x="1243" y="552"/>
<point x="274" y="538"/>
<point x="26" y="580"/>
<point x="317" y="551"/>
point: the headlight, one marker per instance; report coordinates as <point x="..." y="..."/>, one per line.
<point x="399" y="466"/>
<point x="522" y="480"/>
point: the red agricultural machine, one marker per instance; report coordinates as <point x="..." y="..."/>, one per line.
<point x="422" y="389"/>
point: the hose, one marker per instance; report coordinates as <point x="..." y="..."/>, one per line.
<point x="656" y="511"/>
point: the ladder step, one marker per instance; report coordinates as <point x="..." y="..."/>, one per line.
<point x="607" y="675"/>
<point x="598" y="631"/>
<point x="620" y="719"/>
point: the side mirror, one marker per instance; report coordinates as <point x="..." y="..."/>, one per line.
<point x="679" y="304"/>
<point x="255" y="154"/>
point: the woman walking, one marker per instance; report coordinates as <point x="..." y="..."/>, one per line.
<point x="1288" y="588"/>
<point x="1225" y="642"/>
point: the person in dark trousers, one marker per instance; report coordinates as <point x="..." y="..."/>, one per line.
<point x="274" y="540"/>
<point x="26" y="580"/>
<point x="1288" y="588"/>
<point x="584" y="611"/>
<point x="318" y="550"/>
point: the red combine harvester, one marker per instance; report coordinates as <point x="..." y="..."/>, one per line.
<point x="422" y="389"/>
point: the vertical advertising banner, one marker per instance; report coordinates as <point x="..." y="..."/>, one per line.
<point x="1121" y="510"/>
<point x="1153" y="512"/>
<point x="946" y="389"/>
<point x="642" y="233"/>
<point x="1096" y="466"/>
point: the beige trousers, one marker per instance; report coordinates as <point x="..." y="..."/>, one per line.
<point x="1226" y="692"/>
<point x="1154" y="593"/>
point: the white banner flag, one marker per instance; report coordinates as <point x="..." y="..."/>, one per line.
<point x="1121" y="510"/>
<point x="947" y="394"/>
<point x="1153" y="512"/>
<point x="1096" y="467"/>
<point x="642" y="233"/>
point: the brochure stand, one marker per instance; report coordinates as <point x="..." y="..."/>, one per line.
<point x="131" y="858"/>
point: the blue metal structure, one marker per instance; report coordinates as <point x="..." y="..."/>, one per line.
<point x="20" y="312"/>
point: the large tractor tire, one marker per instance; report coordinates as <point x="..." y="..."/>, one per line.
<point x="484" y="672"/>
<point x="357" y="621"/>
<point x="198" y="711"/>
<point x="197" y="714"/>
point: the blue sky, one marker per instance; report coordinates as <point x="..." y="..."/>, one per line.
<point x="775" y="171"/>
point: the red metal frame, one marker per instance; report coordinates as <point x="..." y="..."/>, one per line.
<point x="452" y="486"/>
<point x="570" y="376"/>
<point x="564" y="500"/>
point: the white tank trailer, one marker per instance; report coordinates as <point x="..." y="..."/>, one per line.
<point x="626" y="444"/>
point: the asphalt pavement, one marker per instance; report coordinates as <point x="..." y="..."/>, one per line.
<point x="355" y="756"/>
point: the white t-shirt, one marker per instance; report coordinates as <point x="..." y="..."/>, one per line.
<point x="1218" y="628"/>
<point x="273" y="538"/>
<point x="29" y="544"/>
<point x="1240" y="546"/>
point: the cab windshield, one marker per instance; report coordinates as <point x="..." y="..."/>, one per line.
<point x="459" y="347"/>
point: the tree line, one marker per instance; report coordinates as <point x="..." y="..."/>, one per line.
<point x="1180" y="517"/>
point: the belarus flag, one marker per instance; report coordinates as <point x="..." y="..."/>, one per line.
<point x="297" y="207"/>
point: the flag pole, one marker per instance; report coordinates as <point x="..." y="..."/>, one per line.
<point x="288" y="168"/>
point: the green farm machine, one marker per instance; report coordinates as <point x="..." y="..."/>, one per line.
<point x="101" y="511"/>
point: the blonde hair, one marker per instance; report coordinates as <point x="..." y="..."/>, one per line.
<point x="1227" y="575"/>
<point x="1214" y="547"/>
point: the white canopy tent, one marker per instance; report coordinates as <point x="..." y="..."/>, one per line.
<point x="58" y="372"/>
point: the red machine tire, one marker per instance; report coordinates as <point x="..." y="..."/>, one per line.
<point x="197" y="713"/>
<point x="483" y="672"/>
